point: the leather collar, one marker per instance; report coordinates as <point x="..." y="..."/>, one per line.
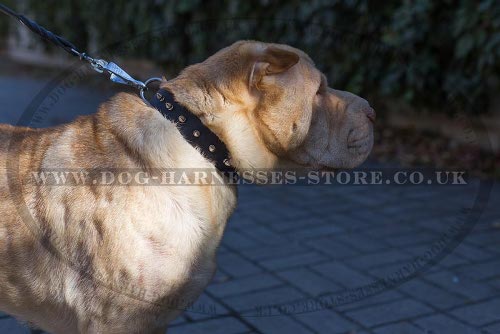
<point x="194" y="131"/>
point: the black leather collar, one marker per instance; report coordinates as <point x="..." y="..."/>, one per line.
<point x="194" y="131"/>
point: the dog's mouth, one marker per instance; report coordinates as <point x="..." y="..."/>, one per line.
<point x="359" y="140"/>
<point x="360" y="146"/>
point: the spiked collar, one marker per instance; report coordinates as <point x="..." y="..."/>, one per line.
<point x="194" y="131"/>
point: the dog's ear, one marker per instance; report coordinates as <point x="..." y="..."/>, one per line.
<point x="273" y="60"/>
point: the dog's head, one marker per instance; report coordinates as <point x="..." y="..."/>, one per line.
<point x="273" y="107"/>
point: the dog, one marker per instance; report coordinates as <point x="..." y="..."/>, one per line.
<point x="128" y="259"/>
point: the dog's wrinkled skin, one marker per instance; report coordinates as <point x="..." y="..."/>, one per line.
<point x="126" y="259"/>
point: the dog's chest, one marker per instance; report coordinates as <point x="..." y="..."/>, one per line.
<point x="169" y="236"/>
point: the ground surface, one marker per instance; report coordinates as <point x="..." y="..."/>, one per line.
<point x="291" y="245"/>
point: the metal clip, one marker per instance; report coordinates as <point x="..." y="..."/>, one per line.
<point x="98" y="64"/>
<point x="117" y="74"/>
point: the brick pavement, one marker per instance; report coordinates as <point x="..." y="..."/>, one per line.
<point x="287" y="245"/>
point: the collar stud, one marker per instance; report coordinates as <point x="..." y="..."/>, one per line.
<point x="210" y="145"/>
<point x="160" y="97"/>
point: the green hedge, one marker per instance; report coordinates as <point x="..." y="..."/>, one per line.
<point x="422" y="51"/>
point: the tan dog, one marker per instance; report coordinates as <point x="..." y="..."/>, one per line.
<point x="127" y="259"/>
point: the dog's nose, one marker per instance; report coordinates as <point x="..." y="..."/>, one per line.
<point x="370" y="113"/>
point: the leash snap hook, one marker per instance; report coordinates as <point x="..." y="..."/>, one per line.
<point x="99" y="65"/>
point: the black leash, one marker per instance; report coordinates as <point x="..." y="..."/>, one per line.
<point x="117" y="74"/>
<point x="44" y="33"/>
<point x="190" y="126"/>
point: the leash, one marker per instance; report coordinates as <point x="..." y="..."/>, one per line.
<point x="116" y="73"/>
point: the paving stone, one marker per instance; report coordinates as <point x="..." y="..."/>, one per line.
<point x="236" y="239"/>
<point x="264" y="298"/>
<point x="285" y="225"/>
<point x="388" y="230"/>
<point x="244" y="285"/>
<point x="435" y="225"/>
<point x="368" y="200"/>
<point x="306" y="280"/>
<point x="369" y="218"/>
<point x="380" y="298"/>
<point x="265" y="215"/>
<point x="326" y="321"/>
<point x="205" y="307"/>
<point x="220" y="277"/>
<point x="240" y="220"/>
<point x="226" y="325"/>
<point x="418" y="250"/>
<point x="473" y="253"/>
<point x="449" y="261"/>
<point x="378" y="259"/>
<point x="278" y="324"/>
<point x="480" y="313"/>
<point x="330" y="207"/>
<point x="421" y="237"/>
<point x="493" y="249"/>
<point x="293" y="261"/>
<point x="453" y="260"/>
<point x="265" y="235"/>
<point x="236" y="266"/>
<point x="432" y="295"/>
<point x="178" y="321"/>
<point x="481" y="271"/>
<point x="399" y="328"/>
<point x="484" y="238"/>
<point x="492" y="329"/>
<point x="11" y="326"/>
<point x="399" y="209"/>
<point x="296" y="210"/>
<point x="313" y="232"/>
<point x="394" y="311"/>
<point x="443" y="324"/>
<point x="361" y="242"/>
<point x="342" y="274"/>
<point x="460" y="284"/>
<point x="332" y="247"/>
<point x="346" y="221"/>
<point x="223" y="249"/>
<point x="495" y="283"/>
<point x="281" y="250"/>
